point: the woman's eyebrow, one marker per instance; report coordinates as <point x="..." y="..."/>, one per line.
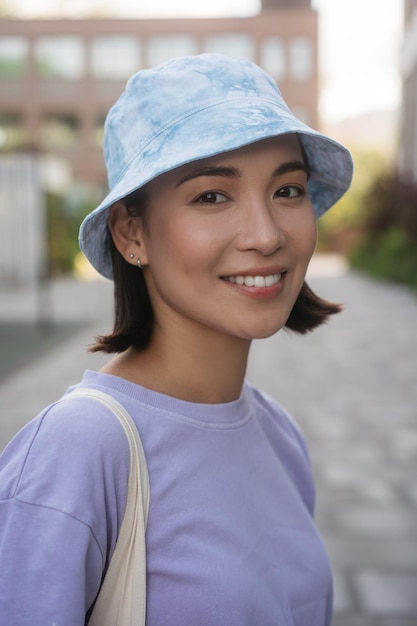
<point x="210" y="170"/>
<point x="291" y="166"/>
<point x="232" y="172"/>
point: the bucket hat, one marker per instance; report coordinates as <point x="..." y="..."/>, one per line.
<point x="192" y="108"/>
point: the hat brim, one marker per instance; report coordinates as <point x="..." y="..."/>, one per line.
<point x="223" y="127"/>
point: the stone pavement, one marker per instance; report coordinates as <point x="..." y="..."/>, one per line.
<point x="351" y="385"/>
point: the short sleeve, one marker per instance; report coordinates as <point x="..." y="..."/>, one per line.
<point x="63" y="484"/>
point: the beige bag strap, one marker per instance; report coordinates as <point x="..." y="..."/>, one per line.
<point x="122" y="598"/>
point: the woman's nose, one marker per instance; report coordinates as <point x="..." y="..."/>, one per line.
<point x="260" y="230"/>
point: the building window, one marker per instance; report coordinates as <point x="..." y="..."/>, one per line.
<point x="234" y="45"/>
<point x="12" y="131"/>
<point x="13" y="56"/>
<point x="60" y="57"/>
<point x="273" y="57"/>
<point x="162" y="48"/>
<point x="59" y="131"/>
<point x="115" y="57"/>
<point x="301" y="59"/>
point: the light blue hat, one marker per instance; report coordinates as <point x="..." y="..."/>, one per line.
<point x="192" y="108"/>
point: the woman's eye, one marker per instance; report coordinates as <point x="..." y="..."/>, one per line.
<point x="211" y="197"/>
<point x="290" y="191"/>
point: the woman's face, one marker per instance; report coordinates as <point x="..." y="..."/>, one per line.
<point x="228" y="240"/>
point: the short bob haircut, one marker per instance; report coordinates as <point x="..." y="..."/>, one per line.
<point x="134" y="318"/>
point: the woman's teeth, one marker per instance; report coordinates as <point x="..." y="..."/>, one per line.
<point x="254" y="281"/>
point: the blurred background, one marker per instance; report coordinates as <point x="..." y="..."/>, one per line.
<point x="346" y="67"/>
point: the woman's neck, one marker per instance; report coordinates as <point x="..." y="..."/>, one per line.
<point x="206" y="368"/>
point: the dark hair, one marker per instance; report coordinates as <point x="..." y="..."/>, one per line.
<point x="310" y="311"/>
<point x="134" y="316"/>
<point x="133" y="313"/>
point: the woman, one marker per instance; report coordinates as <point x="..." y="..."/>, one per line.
<point x="207" y="231"/>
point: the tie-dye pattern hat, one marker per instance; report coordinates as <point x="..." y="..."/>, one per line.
<point x="192" y="108"/>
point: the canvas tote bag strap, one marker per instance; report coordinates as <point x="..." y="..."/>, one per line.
<point x="122" y="598"/>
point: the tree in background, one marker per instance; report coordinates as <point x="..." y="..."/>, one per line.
<point x="388" y="246"/>
<point x="375" y="224"/>
<point x="340" y="228"/>
<point x="64" y="215"/>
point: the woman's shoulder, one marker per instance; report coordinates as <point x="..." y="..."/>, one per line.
<point x="286" y="438"/>
<point x="72" y="426"/>
<point x="269" y="408"/>
<point x="74" y="452"/>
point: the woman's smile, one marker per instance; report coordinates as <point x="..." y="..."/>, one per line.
<point x="257" y="285"/>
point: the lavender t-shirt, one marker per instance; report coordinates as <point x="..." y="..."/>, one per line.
<point x="230" y="536"/>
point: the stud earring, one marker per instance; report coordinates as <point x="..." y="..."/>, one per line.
<point x="131" y="255"/>
<point x="139" y="264"/>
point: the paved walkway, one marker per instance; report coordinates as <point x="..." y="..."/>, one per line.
<point x="352" y="386"/>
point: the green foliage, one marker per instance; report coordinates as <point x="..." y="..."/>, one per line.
<point x="63" y="223"/>
<point x="388" y="247"/>
<point x="340" y="226"/>
<point x="391" y="256"/>
<point x="12" y="67"/>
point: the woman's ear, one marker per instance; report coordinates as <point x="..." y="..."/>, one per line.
<point x="127" y="234"/>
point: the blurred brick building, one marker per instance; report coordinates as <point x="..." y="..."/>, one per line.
<point x="58" y="77"/>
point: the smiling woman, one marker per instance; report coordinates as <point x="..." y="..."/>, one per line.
<point x="244" y="214"/>
<point x="207" y="232"/>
